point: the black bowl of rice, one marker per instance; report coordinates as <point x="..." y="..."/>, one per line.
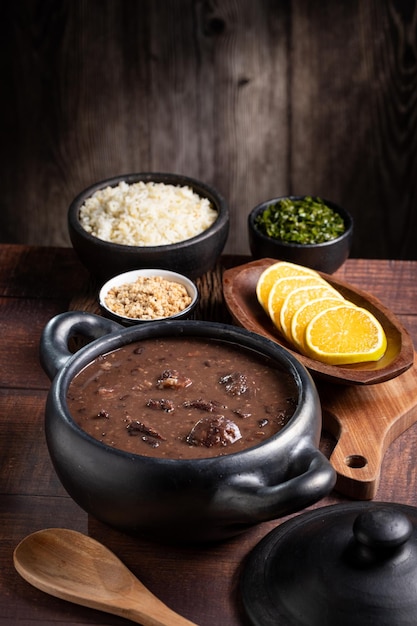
<point x="148" y="220"/>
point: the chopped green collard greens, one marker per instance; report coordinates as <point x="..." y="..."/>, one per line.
<point x="305" y="221"/>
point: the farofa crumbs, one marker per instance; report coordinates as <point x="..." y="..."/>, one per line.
<point x="148" y="298"/>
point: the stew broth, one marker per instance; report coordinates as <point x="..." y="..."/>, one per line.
<point x="182" y="398"/>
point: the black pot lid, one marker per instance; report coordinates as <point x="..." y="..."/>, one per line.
<point x="341" y="565"/>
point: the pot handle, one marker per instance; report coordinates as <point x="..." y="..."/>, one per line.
<point x="254" y="503"/>
<point x="54" y="343"/>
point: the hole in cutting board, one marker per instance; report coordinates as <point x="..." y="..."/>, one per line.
<point x="356" y="461"/>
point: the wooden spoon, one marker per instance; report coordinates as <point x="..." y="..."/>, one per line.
<point x="74" y="567"/>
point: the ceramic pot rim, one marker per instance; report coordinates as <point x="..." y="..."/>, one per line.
<point x="289" y="435"/>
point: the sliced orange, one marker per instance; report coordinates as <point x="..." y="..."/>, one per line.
<point x="305" y="314"/>
<point x="275" y="271"/>
<point x="345" y="334"/>
<point x="297" y="298"/>
<point x="283" y="287"/>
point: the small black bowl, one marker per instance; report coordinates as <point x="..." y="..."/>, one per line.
<point x="192" y="257"/>
<point x="324" y="257"/>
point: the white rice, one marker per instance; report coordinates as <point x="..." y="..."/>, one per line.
<point x="146" y="214"/>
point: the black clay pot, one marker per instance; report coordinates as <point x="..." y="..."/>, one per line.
<point x="324" y="257"/>
<point x="336" y="566"/>
<point x="184" y="500"/>
<point x="192" y="257"/>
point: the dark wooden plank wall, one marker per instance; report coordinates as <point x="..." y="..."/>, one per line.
<point x="259" y="98"/>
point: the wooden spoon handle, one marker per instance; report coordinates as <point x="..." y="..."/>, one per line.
<point x="140" y="605"/>
<point x="154" y="614"/>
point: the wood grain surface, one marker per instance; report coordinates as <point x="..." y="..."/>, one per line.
<point x="199" y="582"/>
<point x="259" y="99"/>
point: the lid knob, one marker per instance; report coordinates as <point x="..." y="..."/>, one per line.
<point x="382" y="528"/>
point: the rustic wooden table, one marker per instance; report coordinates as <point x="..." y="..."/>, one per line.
<point x="201" y="583"/>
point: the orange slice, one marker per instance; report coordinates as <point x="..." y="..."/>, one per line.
<point x="345" y="334"/>
<point x="297" y="298"/>
<point x="283" y="287"/>
<point x="305" y="314"/>
<point x="275" y="271"/>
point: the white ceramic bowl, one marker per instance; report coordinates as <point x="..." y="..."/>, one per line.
<point x="131" y="277"/>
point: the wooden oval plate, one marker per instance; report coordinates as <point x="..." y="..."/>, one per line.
<point x="239" y="289"/>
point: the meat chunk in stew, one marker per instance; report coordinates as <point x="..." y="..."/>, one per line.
<point x="213" y="431"/>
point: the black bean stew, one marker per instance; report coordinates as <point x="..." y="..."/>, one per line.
<point x="182" y="398"/>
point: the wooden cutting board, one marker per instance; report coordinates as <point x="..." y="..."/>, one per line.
<point x="365" y="420"/>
